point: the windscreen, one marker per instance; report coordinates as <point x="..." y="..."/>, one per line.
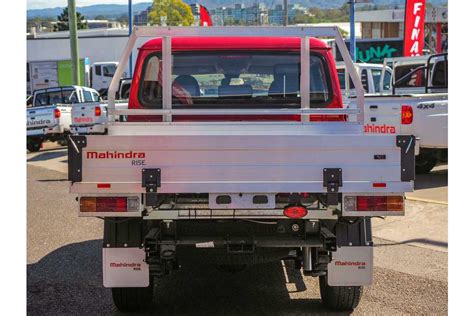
<point x="235" y="80"/>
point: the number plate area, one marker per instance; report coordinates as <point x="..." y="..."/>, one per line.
<point x="241" y="201"/>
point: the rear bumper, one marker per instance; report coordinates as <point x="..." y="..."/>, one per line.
<point x="232" y="214"/>
<point x="35" y="132"/>
<point x="88" y="129"/>
<point x="56" y="129"/>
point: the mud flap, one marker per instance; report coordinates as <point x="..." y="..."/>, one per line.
<point x="351" y="266"/>
<point x="125" y="267"/>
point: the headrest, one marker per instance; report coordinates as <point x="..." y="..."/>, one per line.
<point x="238" y="91"/>
<point x="189" y="83"/>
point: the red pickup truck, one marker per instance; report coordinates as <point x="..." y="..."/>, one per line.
<point x="236" y="151"/>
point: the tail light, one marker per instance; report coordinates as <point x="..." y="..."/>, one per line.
<point x="109" y="204"/>
<point x="98" y="111"/>
<point x="295" y="211"/>
<point x="393" y="203"/>
<point x="57" y="113"/>
<point x="407" y="114"/>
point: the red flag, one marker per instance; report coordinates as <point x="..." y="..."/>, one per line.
<point x="205" y="17"/>
<point x="414" y="27"/>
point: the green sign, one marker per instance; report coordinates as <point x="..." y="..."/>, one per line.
<point x="65" y="73"/>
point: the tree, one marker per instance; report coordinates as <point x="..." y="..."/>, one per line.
<point x="100" y="17"/>
<point x="63" y="21"/>
<point x="175" y="13"/>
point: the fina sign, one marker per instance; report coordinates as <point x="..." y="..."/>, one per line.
<point x="414" y="27"/>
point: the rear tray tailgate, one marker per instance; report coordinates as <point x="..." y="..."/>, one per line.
<point x="40" y="117"/>
<point x="87" y="114"/>
<point x="241" y="161"/>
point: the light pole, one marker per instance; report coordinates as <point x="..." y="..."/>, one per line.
<point x="285" y="12"/>
<point x="76" y="78"/>
<point x="130" y="29"/>
<point x="353" y="45"/>
<point x="352" y="23"/>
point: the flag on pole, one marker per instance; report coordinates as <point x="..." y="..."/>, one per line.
<point x="414" y="27"/>
<point x="205" y="17"/>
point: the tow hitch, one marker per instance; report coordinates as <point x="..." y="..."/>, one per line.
<point x="240" y="246"/>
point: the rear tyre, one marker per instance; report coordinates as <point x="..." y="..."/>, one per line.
<point x="33" y="145"/>
<point x="132" y="299"/>
<point x="424" y="163"/>
<point x="62" y="142"/>
<point x="339" y="298"/>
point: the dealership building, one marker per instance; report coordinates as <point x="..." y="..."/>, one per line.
<point x="384" y="24"/>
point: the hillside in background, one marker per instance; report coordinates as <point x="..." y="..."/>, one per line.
<point x="116" y="10"/>
<point x="90" y="12"/>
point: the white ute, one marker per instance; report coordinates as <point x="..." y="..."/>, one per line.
<point x="49" y="116"/>
<point x="238" y="153"/>
<point x="422" y="103"/>
<point x="91" y="118"/>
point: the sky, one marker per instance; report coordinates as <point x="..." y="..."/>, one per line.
<point x="41" y="4"/>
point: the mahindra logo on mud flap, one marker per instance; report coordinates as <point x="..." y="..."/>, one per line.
<point x="358" y="264"/>
<point x="133" y="265"/>
<point x="115" y="155"/>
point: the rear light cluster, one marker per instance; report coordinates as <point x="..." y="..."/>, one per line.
<point x="109" y="204"/>
<point x="57" y="113"/>
<point x="393" y="203"/>
<point x="407" y="114"/>
<point x="97" y="111"/>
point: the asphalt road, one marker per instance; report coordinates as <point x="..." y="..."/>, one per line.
<point x="64" y="263"/>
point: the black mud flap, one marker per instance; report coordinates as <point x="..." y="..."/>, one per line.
<point x="120" y="232"/>
<point x="407" y="156"/>
<point x="358" y="233"/>
<point x="74" y="157"/>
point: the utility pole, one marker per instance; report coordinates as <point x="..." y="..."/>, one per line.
<point x="353" y="37"/>
<point x="285" y="12"/>
<point x="76" y="77"/>
<point x="130" y="29"/>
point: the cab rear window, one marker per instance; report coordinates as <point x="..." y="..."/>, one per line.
<point x="416" y="79"/>
<point x="235" y="80"/>
<point x="60" y="96"/>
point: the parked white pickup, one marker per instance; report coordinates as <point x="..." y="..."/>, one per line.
<point x="374" y="78"/>
<point x="49" y="117"/>
<point x="91" y="118"/>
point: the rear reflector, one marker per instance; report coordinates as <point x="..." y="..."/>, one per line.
<point x="374" y="203"/>
<point x="103" y="185"/>
<point x="97" y="111"/>
<point x="379" y="185"/>
<point x="407" y="114"/>
<point x="295" y="211"/>
<point x="109" y="204"/>
<point x="57" y="113"/>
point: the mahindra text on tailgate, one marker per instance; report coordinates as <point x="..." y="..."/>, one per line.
<point x="40" y="117"/>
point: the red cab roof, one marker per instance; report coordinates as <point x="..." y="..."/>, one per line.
<point x="235" y="43"/>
